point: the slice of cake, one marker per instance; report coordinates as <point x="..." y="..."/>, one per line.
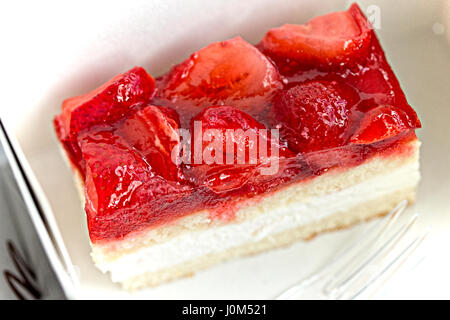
<point x="241" y="149"/>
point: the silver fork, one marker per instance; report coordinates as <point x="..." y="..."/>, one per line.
<point x="359" y="266"/>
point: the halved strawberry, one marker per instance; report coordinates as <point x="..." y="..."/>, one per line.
<point x="225" y="118"/>
<point x="107" y="103"/>
<point x="313" y="115"/>
<point x="241" y="158"/>
<point x="329" y="40"/>
<point x="153" y="130"/>
<point x="122" y="191"/>
<point x="381" y="123"/>
<point x="226" y="72"/>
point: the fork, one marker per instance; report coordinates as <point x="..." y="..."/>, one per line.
<point x="361" y="264"/>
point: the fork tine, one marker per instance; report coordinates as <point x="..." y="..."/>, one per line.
<point x="374" y="232"/>
<point x="399" y="259"/>
<point x="372" y="237"/>
<point x="337" y="285"/>
<point x="377" y="231"/>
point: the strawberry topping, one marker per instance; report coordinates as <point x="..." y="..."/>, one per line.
<point x="106" y="104"/>
<point x="153" y="130"/>
<point x="244" y="144"/>
<point x="109" y="102"/>
<point x="381" y="123"/>
<point x="326" y="41"/>
<point x="122" y="191"/>
<point x="314" y="115"/>
<point x="227" y="72"/>
<point x="336" y="104"/>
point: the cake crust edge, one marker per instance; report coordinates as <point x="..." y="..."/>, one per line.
<point x="340" y="221"/>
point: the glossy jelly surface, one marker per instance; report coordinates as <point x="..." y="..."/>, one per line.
<point x="325" y="86"/>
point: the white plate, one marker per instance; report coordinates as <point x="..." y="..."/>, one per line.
<point x="58" y="49"/>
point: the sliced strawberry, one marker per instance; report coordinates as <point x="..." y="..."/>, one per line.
<point x="378" y="85"/>
<point x="153" y="131"/>
<point x="227" y="117"/>
<point x="232" y="168"/>
<point x="114" y="172"/>
<point x="381" y="123"/>
<point x="107" y="103"/>
<point x="329" y="40"/>
<point x="121" y="189"/>
<point x="220" y="178"/>
<point x="314" y="115"/>
<point x="231" y="122"/>
<point x="226" y="72"/>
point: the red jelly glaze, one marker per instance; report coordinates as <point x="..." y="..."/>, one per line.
<point x="346" y="101"/>
<point x="219" y="175"/>
<point x="106" y="104"/>
<point x="314" y="115"/>
<point x="338" y="38"/>
<point x="231" y="72"/>
<point x="153" y="131"/>
<point x="122" y="191"/>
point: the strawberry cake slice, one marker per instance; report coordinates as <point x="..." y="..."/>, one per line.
<point x="240" y="149"/>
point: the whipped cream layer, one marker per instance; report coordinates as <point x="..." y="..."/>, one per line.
<point x="190" y="246"/>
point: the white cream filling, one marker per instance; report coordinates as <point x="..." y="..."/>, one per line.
<point x="192" y="245"/>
